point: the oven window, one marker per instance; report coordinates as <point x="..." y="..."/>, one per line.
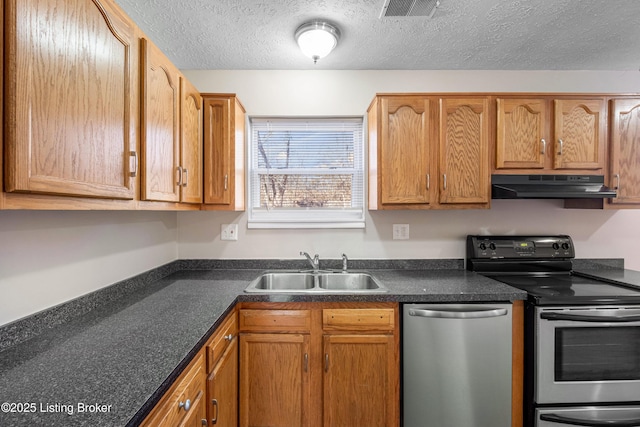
<point x="597" y="354"/>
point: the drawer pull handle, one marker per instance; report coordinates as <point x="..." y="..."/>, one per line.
<point x="544" y="146"/>
<point x="185" y="405"/>
<point x="228" y="337"/>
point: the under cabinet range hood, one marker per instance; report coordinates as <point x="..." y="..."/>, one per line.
<point x="550" y="187"/>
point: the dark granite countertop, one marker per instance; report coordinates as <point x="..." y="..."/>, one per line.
<point x="121" y="356"/>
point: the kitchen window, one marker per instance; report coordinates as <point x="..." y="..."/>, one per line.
<point x="306" y="173"/>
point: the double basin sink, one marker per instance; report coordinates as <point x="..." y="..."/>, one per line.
<point x="322" y="281"/>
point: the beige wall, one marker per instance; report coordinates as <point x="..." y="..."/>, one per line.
<point x="434" y="234"/>
<point x="47" y="258"/>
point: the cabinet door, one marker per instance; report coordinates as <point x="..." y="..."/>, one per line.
<point x="360" y="376"/>
<point x="579" y="134"/>
<point x="218" y="151"/>
<point x="68" y="79"/>
<point x="222" y="388"/>
<point x="160" y="126"/>
<point x="625" y="150"/>
<point x="464" y="150"/>
<point x="520" y="142"/>
<point x="274" y="380"/>
<point x="404" y="157"/>
<point x="190" y="143"/>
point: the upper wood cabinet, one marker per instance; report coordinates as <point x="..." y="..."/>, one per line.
<point x="69" y="94"/>
<point x="190" y="143"/>
<point x="625" y="151"/>
<point x="428" y="152"/>
<point x="224" y="152"/>
<point x="550" y="135"/>
<point x="464" y="152"/>
<point x="404" y="153"/>
<point x="521" y="140"/>
<point x="160" y="126"/>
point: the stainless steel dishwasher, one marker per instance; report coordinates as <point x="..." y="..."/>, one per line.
<point x="456" y="365"/>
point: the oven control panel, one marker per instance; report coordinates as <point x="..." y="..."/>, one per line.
<point x="490" y="247"/>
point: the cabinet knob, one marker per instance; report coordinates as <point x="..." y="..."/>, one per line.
<point x="228" y="337"/>
<point x="185" y="405"/>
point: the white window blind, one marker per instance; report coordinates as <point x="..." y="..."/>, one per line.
<point x="306" y="172"/>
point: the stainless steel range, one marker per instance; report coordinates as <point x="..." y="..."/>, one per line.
<point x="582" y="336"/>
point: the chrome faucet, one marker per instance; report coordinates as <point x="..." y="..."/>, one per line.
<point x="315" y="261"/>
<point x="345" y="260"/>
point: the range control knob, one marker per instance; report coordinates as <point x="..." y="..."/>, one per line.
<point x="555" y="246"/>
<point x="483" y="246"/>
<point x="492" y="246"/>
<point x="565" y="246"/>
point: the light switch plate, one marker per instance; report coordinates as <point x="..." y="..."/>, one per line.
<point x="229" y="232"/>
<point x="400" y="231"/>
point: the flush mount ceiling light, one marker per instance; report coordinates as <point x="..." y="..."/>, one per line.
<point x="317" y="39"/>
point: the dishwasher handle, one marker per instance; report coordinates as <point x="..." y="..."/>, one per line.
<point x="560" y="419"/>
<point x="467" y="312"/>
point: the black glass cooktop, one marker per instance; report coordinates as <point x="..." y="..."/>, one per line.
<point x="570" y="289"/>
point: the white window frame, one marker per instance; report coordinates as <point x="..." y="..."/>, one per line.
<point x="311" y="217"/>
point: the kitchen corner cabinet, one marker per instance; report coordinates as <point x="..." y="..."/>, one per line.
<point x="625" y="152"/>
<point x="160" y="139"/>
<point x="69" y="104"/>
<point x="222" y="370"/>
<point x="224" y="153"/>
<point x="184" y="404"/>
<point x="550" y="135"/>
<point x="428" y="152"/>
<point x="319" y="364"/>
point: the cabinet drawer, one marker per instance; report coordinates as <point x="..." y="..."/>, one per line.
<point x="221" y="340"/>
<point x="188" y="389"/>
<point x="374" y="319"/>
<point x="275" y="320"/>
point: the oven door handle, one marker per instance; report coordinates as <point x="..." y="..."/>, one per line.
<point x="588" y="318"/>
<point x="560" y="419"/>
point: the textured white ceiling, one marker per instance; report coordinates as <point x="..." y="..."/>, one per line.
<point x="463" y="34"/>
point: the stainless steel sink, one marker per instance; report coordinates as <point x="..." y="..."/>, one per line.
<point x="316" y="282"/>
<point x="283" y="282"/>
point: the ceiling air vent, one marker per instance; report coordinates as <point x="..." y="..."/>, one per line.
<point x="395" y="8"/>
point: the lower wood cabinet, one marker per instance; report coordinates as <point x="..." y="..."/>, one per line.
<point x="222" y="370"/>
<point x="319" y="364"/>
<point x="184" y="404"/>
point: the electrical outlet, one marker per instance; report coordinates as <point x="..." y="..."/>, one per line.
<point x="229" y="232"/>
<point x="400" y="231"/>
